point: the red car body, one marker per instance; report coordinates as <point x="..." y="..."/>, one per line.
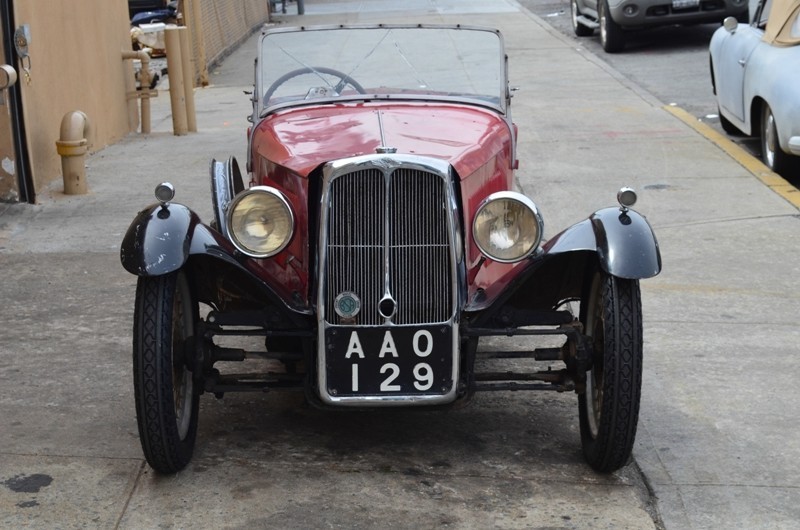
<point x="287" y="146"/>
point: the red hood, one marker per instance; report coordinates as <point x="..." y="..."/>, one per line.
<point x="302" y="139"/>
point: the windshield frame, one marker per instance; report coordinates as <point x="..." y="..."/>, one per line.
<point x="501" y="105"/>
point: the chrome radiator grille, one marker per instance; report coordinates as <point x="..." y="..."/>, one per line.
<point x="388" y="235"/>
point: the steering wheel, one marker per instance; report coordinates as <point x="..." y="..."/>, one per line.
<point x="345" y="80"/>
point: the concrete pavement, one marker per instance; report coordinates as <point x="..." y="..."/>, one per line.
<point x="717" y="437"/>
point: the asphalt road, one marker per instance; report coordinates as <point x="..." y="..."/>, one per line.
<point x="671" y="63"/>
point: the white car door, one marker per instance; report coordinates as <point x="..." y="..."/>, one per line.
<point x="735" y="51"/>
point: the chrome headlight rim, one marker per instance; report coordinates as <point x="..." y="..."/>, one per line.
<point x="526" y="202"/>
<point x="231" y="229"/>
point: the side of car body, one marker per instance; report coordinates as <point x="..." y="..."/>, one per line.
<point x="755" y="79"/>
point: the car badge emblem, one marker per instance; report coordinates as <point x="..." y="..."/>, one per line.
<point x="347" y="304"/>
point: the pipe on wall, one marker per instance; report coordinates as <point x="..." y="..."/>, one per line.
<point x="72" y="145"/>
<point x="144" y="83"/>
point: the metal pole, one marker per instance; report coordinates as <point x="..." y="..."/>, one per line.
<point x="188" y="79"/>
<point x="200" y="39"/>
<point x="177" y="92"/>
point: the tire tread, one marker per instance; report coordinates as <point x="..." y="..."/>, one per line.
<point x="153" y="387"/>
<point x="622" y="378"/>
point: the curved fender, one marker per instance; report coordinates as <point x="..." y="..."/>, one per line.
<point x="226" y="183"/>
<point x="158" y="240"/>
<point x="624" y="242"/>
<point x="161" y="239"/>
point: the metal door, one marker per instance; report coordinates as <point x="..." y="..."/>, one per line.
<point x="16" y="183"/>
<point x="8" y="165"/>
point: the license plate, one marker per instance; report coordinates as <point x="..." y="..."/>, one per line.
<point x="685" y="4"/>
<point x="389" y="361"/>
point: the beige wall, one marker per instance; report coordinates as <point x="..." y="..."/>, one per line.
<point x="76" y="64"/>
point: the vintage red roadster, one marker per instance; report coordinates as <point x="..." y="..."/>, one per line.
<point x="377" y="240"/>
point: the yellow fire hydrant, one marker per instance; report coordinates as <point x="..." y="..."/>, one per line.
<point x="72" y="146"/>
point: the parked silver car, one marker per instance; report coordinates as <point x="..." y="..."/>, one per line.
<point x="755" y="74"/>
<point x="616" y="17"/>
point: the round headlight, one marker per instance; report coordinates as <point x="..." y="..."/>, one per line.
<point x="507" y="227"/>
<point x="260" y="222"/>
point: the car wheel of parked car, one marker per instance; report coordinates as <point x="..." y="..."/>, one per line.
<point x="774" y="158"/>
<point x="609" y="409"/>
<point x="579" y="29"/>
<point x="612" y="37"/>
<point x="167" y="400"/>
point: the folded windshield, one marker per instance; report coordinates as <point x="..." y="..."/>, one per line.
<point x="298" y="66"/>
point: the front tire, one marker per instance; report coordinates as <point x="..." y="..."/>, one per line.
<point x="167" y="399"/>
<point x="609" y="409"/>
<point x="612" y="36"/>
<point x="579" y="29"/>
<point x="771" y="152"/>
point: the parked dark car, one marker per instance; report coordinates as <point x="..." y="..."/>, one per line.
<point x="615" y="18"/>
<point x="378" y="239"/>
<point x="141" y="6"/>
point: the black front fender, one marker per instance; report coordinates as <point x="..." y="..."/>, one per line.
<point x="621" y="244"/>
<point x="158" y="240"/>
<point x="162" y="239"/>
<point x="624" y="242"/>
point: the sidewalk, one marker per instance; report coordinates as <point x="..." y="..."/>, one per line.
<point x="717" y="434"/>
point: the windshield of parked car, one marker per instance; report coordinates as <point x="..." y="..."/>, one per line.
<point x="311" y="65"/>
<point x="762" y="14"/>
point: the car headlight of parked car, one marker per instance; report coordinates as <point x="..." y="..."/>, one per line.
<point x="260" y="221"/>
<point x="507" y="227"/>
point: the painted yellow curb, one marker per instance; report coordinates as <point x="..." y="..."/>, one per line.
<point x="768" y="177"/>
